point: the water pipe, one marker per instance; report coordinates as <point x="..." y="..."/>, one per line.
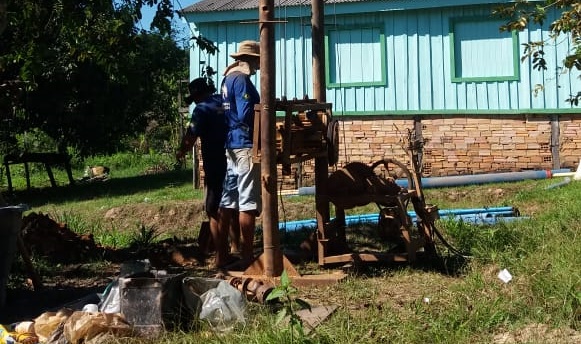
<point x="441" y="212"/>
<point x="565" y="181"/>
<point x="476" y="215"/>
<point x="468" y="179"/>
<point x="472" y="179"/>
<point x="444" y="212"/>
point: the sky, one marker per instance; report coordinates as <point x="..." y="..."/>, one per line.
<point x="147" y="14"/>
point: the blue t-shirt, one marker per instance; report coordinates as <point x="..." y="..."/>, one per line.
<point x="239" y="97"/>
<point x="209" y="125"/>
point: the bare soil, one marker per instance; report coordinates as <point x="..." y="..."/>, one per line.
<point x="84" y="268"/>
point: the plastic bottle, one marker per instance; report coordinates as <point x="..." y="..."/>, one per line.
<point x="5" y="337"/>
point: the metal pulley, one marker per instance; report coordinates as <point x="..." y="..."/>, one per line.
<point x="333" y="142"/>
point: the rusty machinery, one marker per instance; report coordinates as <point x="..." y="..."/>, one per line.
<point x="309" y="131"/>
<point x="359" y="184"/>
<point x="254" y="289"/>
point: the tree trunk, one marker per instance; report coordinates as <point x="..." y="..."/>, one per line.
<point x="3" y="20"/>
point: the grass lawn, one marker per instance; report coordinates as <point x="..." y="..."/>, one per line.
<point x="452" y="300"/>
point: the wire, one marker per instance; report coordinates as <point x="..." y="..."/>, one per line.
<point x="448" y="245"/>
<point x="341" y="88"/>
<point x="302" y="24"/>
<point x="283" y="53"/>
<point x="282" y="204"/>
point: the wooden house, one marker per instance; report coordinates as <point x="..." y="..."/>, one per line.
<point x="441" y="68"/>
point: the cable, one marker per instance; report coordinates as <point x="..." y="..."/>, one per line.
<point x="341" y="88"/>
<point x="282" y="204"/>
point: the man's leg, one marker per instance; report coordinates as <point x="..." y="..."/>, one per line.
<point x="247" y="228"/>
<point x="234" y="233"/>
<point x="220" y="236"/>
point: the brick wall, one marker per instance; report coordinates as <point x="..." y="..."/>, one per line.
<point x="569" y="141"/>
<point x="479" y="145"/>
<point x="455" y="145"/>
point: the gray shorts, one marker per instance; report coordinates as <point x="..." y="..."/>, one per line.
<point x="242" y="189"/>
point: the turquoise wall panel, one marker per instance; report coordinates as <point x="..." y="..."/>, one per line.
<point x="418" y="60"/>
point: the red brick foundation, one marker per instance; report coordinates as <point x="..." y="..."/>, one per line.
<point x="457" y="145"/>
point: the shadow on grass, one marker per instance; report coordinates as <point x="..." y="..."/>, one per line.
<point x="110" y="188"/>
<point x="72" y="283"/>
<point x="27" y="304"/>
<point x="363" y="238"/>
<point x="449" y="265"/>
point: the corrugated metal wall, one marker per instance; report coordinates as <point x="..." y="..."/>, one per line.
<point x="418" y="65"/>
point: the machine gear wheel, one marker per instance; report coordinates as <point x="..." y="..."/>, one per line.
<point x="333" y="142"/>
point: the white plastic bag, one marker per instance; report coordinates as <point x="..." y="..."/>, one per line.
<point x="215" y="301"/>
<point x="111" y="299"/>
<point x="223" y="307"/>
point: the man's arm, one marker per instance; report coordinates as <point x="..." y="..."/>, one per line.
<point x="188" y="141"/>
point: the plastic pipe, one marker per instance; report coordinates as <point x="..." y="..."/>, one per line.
<point x="566" y="181"/>
<point x="469" y="179"/>
<point x="466" y="214"/>
<point x="493" y="220"/>
<point x="296" y="225"/>
<point x="444" y="212"/>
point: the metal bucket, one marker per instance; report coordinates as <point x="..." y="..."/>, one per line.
<point x="10" y="223"/>
<point x="152" y="304"/>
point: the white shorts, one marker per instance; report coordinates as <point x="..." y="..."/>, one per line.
<point x="242" y="189"/>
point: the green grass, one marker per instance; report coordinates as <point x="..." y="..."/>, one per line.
<point x="467" y="302"/>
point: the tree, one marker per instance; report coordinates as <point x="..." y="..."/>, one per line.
<point x="3" y="22"/>
<point x="522" y="13"/>
<point x="81" y="72"/>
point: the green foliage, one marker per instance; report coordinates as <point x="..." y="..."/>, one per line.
<point x="144" y="238"/>
<point x="285" y="292"/>
<point x="465" y="235"/>
<point x="35" y="140"/>
<point x="84" y="75"/>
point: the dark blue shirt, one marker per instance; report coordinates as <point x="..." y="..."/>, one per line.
<point x="209" y="125"/>
<point x="239" y="97"/>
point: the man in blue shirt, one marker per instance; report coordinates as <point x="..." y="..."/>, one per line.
<point x="242" y="189"/>
<point x="209" y="125"/>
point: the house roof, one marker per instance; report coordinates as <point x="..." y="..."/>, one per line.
<point x="233" y="5"/>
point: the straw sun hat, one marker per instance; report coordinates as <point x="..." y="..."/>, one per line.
<point x="247" y="48"/>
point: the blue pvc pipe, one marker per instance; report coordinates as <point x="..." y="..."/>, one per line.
<point x="467" y="215"/>
<point x="472" y="179"/>
<point x="477" y="220"/>
<point x="469" y="179"/>
<point x="444" y="212"/>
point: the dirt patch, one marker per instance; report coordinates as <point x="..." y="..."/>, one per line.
<point x="184" y="218"/>
<point x="176" y="218"/>
<point x="539" y="333"/>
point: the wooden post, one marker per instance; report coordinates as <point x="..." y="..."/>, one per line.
<point x="319" y="88"/>
<point x="273" y="264"/>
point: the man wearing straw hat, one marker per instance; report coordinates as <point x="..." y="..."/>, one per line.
<point x="242" y="190"/>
